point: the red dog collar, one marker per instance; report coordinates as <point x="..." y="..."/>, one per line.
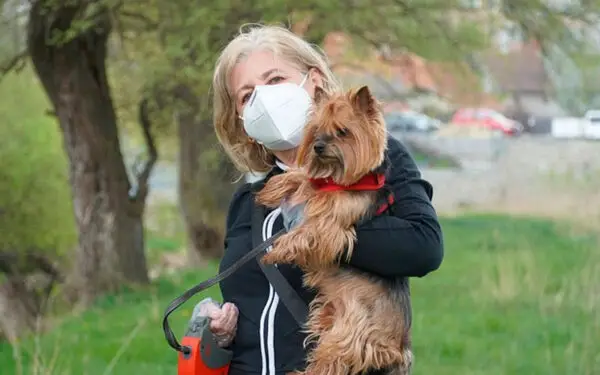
<point x="369" y="182"/>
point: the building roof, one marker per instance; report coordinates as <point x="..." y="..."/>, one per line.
<point x="519" y="70"/>
<point x="393" y="76"/>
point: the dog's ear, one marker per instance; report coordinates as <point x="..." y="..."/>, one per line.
<point x="364" y="101"/>
<point x="320" y="95"/>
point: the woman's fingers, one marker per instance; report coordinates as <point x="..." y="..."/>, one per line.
<point x="224" y="321"/>
<point x="230" y="313"/>
<point x="223" y="324"/>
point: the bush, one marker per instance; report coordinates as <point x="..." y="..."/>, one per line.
<point x="35" y="201"/>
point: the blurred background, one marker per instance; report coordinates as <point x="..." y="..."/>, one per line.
<point x="113" y="188"/>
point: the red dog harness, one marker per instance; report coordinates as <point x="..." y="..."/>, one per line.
<point x="370" y="182"/>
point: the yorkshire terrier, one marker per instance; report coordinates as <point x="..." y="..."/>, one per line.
<point x="358" y="322"/>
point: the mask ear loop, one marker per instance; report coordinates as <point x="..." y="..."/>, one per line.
<point x="304" y="80"/>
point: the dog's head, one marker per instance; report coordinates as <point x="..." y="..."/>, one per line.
<point x="345" y="138"/>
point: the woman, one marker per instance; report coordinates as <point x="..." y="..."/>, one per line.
<point x="263" y="85"/>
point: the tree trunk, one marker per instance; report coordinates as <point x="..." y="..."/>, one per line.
<point x="206" y="181"/>
<point x="18" y="309"/>
<point x="73" y="74"/>
<point x="203" y="240"/>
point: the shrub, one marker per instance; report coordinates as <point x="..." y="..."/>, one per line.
<point x="35" y="201"/>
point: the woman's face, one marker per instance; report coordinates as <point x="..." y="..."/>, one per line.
<point x="262" y="68"/>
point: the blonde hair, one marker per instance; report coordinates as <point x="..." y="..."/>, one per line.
<point x="247" y="155"/>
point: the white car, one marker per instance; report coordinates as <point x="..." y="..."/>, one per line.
<point x="592" y="128"/>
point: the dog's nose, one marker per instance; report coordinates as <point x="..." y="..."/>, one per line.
<point x="319" y="147"/>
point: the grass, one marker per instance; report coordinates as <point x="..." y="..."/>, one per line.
<point x="423" y="159"/>
<point x="514" y="296"/>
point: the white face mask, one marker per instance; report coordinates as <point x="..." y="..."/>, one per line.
<point x="275" y="115"/>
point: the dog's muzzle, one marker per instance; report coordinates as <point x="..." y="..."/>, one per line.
<point x="319" y="147"/>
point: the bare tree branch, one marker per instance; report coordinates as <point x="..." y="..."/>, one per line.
<point x="15" y="63"/>
<point x="17" y="265"/>
<point x="144" y="175"/>
<point x="50" y="113"/>
<point x="13" y="263"/>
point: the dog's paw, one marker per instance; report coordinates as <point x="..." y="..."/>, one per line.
<point x="295" y="247"/>
<point x="292" y="248"/>
<point x="272" y="257"/>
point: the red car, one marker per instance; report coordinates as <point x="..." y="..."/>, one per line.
<point x="487" y="118"/>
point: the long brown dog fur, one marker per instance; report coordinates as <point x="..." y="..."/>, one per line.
<point x="358" y="321"/>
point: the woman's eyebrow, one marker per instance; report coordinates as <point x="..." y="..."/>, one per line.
<point x="263" y="77"/>
<point x="268" y="73"/>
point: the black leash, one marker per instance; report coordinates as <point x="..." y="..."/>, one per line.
<point x="254" y="253"/>
<point x="290" y="298"/>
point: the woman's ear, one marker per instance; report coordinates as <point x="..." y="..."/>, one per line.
<point x="315" y="77"/>
<point x="319" y="95"/>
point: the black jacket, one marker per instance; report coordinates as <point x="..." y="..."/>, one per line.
<point x="407" y="244"/>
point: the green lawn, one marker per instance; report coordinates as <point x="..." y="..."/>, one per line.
<point x="514" y="296"/>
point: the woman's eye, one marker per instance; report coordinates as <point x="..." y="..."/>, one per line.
<point x="275" y="80"/>
<point x="246" y="97"/>
<point x="342" y="132"/>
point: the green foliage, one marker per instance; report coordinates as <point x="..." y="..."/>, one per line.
<point x="160" y="45"/>
<point x="169" y="43"/>
<point x="513" y="296"/>
<point x="35" y="202"/>
<point x="429" y="28"/>
<point x="165" y="43"/>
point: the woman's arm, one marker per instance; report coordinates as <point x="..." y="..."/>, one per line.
<point x="409" y="242"/>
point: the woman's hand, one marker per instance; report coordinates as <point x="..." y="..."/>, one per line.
<point x="223" y="323"/>
<point x="223" y="320"/>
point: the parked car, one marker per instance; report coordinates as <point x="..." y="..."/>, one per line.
<point x="411" y="121"/>
<point x="592" y="129"/>
<point x="487" y="118"/>
<point x="586" y="127"/>
<point x="568" y="127"/>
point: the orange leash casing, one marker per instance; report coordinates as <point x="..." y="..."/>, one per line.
<point x="202" y="355"/>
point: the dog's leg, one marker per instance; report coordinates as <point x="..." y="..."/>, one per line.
<point x="279" y="187"/>
<point x="322" y="311"/>
<point x="293" y="246"/>
<point x="332" y="243"/>
<point x="357" y="346"/>
<point x="312" y="245"/>
<point x="321" y="319"/>
<point x="367" y="330"/>
<point x="334" y="218"/>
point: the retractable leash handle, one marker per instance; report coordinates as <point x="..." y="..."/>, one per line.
<point x="202" y="356"/>
<point x="196" y="351"/>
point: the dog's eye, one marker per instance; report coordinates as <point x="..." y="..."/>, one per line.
<point x="342" y="132"/>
